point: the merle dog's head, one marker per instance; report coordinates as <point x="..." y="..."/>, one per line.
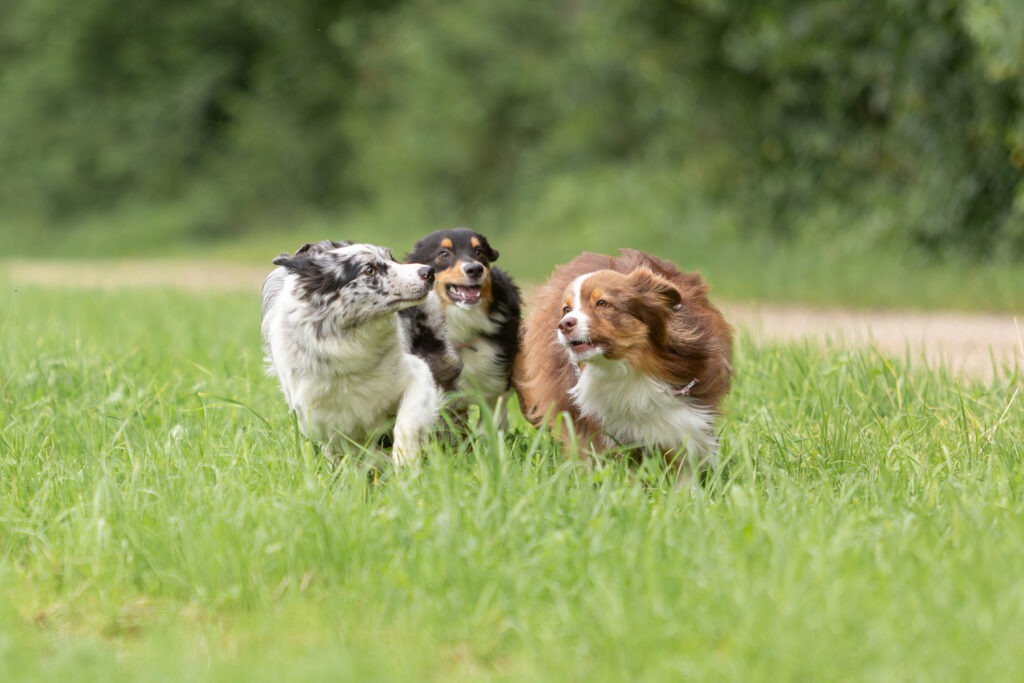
<point x="354" y="283"/>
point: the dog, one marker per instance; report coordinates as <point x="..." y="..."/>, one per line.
<point x="333" y="337"/>
<point x="481" y="308"/>
<point x="632" y="350"/>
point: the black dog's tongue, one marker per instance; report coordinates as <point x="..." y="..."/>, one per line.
<point x="463" y="294"/>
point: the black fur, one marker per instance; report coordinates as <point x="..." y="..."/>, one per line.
<point x="319" y="284"/>
<point x="507" y="301"/>
<point x="429" y="343"/>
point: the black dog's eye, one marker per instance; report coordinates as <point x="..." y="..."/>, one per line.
<point x="600" y="303"/>
<point x="369" y="270"/>
<point x="444" y="254"/>
<point x="479" y="253"/>
<point x="567" y="310"/>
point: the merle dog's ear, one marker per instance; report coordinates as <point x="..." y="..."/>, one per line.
<point x="300" y="264"/>
<point x="322" y="246"/>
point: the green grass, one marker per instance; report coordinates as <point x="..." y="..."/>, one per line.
<point x="159" y="520"/>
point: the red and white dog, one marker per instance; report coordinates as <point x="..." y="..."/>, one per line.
<point x="632" y="350"/>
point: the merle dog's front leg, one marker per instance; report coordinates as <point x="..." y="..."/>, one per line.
<point x="417" y="411"/>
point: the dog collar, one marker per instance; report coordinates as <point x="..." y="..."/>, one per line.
<point x="685" y="389"/>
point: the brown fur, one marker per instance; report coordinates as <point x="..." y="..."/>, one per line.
<point x="452" y="275"/>
<point x="655" y="317"/>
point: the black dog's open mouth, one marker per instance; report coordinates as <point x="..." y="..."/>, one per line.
<point x="463" y="294"/>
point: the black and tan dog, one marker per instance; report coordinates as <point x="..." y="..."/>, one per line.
<point x="481" y="307"/>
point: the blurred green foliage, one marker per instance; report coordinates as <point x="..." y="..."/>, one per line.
<point x="899" y="122"/>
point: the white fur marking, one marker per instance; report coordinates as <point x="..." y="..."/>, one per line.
<point x="481" y="368"/>
<point x="634" y="408"/>
<point x="582" y="329"/>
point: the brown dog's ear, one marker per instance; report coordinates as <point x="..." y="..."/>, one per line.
<point x="652" y="300"/>
<point x="663" y="291"/>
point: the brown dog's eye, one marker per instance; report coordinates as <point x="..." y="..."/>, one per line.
<point x="566" y="310"/>
<point x="601" y="302"/>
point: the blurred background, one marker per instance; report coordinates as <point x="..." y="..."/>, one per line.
<point x="778" y="137"/>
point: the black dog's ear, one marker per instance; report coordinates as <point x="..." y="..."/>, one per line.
<point x="419" y="250"/>
<point x="492" y="253"/>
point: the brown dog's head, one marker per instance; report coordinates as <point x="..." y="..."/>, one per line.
<point x="616" y="316"/>
<point x="462" y="264"/>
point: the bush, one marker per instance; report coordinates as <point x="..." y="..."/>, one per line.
<point x="103" y="102"/>
<point x="902" y="124"/>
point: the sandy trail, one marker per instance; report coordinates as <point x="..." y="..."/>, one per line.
<point x="974" y="345"/>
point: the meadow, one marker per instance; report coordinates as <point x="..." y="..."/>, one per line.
<point x="161" y="520"/>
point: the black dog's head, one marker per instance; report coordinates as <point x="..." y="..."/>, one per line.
<point x="462" y="262"/>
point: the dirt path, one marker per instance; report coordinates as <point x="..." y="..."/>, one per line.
<point x="972" y="344"/>
<point x="196" y="276"/>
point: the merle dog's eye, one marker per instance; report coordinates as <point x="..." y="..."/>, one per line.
<point x="601" y="302"/>
<point x="369" y="270"/>
<point x="567" y="310"/>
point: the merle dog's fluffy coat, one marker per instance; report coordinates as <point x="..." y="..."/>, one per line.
<point x="342" y="354"/>
<point x="481" y="307"/>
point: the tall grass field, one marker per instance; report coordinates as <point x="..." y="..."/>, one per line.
<point x="160" y="520"/>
